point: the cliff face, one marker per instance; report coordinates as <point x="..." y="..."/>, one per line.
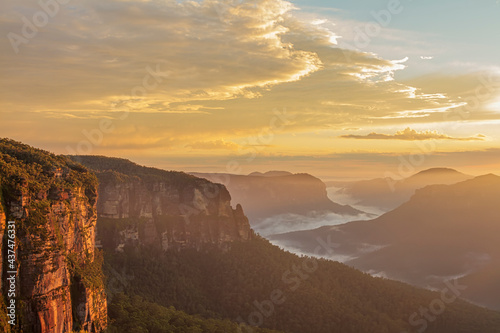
<point x="152" y="207"/>
<point x="53" y="204"/>
<point x="275" y="193"/>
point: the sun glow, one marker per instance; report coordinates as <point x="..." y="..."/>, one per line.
<point x="495" y="105"/>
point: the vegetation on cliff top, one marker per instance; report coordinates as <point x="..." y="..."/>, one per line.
<point x="40" y="172"/>
<point x="40" y="178"/>
<point x="120" y="170"/>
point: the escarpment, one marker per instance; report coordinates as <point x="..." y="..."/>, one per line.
<point x="164" y="209"/>
<point x="276" y="193"/>
<point x="52" y="202"/>
<point x="56" y="205"/>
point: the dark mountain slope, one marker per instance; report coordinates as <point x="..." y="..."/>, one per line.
<point x="444" y="231"/>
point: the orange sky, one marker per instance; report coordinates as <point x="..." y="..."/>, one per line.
<point x="197" y="85"/>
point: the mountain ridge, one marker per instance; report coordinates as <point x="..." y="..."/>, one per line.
<point x="265" y="197"/>
<point x="445" y="230"/>
<point x="388" y="193"/>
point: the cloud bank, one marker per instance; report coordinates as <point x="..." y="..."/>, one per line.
<point x="94" y="54"/>
<point x="196" y="75"/>
<point x="411" y="135"/>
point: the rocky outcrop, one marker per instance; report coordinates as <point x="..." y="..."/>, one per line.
<point x="53" y="204"/>
<point x="163" y="209"/>
<point x="275" y="193"/>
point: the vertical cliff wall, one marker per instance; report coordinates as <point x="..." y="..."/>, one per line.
<point x="164" y="209"/>
<point x="53" y="204"/>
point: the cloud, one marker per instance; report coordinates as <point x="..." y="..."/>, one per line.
<point x="191" y="49"/>
<point x="152" y="56"/>
<point x="199" y="72"/>
<point x="217" y="144"/>
<point x="411" y="135"/>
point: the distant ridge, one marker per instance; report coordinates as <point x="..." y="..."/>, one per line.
<point x="271" y="174"/>
<point x="388" y="193"/>
<point x="279" y="192"/>
<point x="443" y="231"/>
<point x="449" y="174"/>
<point x="438" y="171"/>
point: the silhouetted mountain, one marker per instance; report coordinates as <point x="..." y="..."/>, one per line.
<point x="444" y="231"/>
<point x="435" y="176"/>
<point x="271" y="174"/>
<point x="274" y="193"/>
<point x="388" y="193"/>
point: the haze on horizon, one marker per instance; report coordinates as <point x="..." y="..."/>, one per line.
<point x="336" y="89"/>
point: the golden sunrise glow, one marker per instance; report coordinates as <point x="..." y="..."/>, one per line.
<point x="179" y="79"/>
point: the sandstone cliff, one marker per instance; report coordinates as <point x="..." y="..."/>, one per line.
<point x="53" y="204"/>
<point x="274" y="193"/>
<point x="164" y="209"/>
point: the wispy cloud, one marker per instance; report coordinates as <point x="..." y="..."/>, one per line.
<point x="217" y="70"/>
<point x="412" y="135"/>
<point x="214" y="145"/>
<point x="95" y="53"/>
<point x="101" y="49"/>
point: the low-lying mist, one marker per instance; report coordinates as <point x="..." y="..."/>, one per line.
<point x="335" y="194"/>
<point x="284" y="223"/>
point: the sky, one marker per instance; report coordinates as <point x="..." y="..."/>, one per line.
<point x="338" y="89"/>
